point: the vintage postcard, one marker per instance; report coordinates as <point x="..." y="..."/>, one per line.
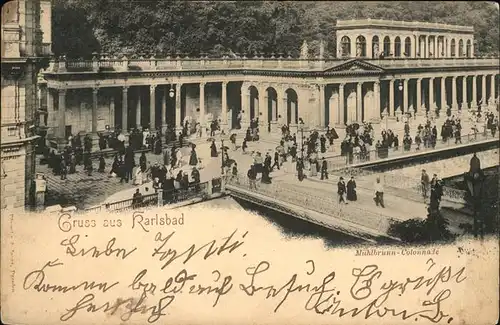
<point x="249" y="162"/>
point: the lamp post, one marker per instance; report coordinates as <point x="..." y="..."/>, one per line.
<point x="475" y="180"/>
<point x="222" y="159"/>
<point x="400" y="87"/>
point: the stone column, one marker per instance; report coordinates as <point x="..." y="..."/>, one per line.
<point x="164" y="109"/>
<point x="112" y="112"/>
<point x="473" y="104"/>
<point x="202" y="108"/>
<point x="178" y="103"/>
<point x="443" y="94"/>
<point x="124" y="109"/>
<point x="376" y="98"/>
<point x="321" y="103"/>
<point x="483" y="92"/>
<point x="432" y="105"/>
<point x="50" y="111"/>
<point x="492" y="90"/>
<point x="245" y="106"/>
<point x="404" y="106"/>
<point x="369" y="46"/>
<point x="138" y="109"/>
<point x="61" y="134"/>
<point x="340" y="114"/>
<point x="263" y="108"/>
<point x="393" y="46"/>
<point x="353" y="46"/>
<point x="152" y="107"/>
<point x="391" y="97"/>
<point x="359" y="102"/>
<point x="465" y="104"/>
<point x="454" y="105"/>
<point x="224" y="106"/>
<point x="283" y="110"/>
<point x="94" y="109"/>
<point x="425" y="51"/>
<point x="418" y="108"/>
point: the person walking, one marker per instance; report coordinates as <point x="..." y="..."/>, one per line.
<point x="425" y="182"/>
<point x="252" y="176"/>
<point x="379" y="193"/>
<point x="324" y="169"/>
<point x="276" y="161"/>
<point x="341" y="190"/>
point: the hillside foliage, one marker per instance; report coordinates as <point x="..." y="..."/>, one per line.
<point x="159" y="27"/>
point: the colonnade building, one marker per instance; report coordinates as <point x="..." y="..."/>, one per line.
<point x="428" y="68"/>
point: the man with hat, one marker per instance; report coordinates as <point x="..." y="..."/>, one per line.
<point x="341" y="190"/>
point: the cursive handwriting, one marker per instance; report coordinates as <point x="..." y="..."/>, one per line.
<point x="211" y="248"/>
<point x="94" y="251"/>
<point x="124" y="307"/>
<point x="364" y="285"/>
<point x="35" y="280"/>
<point x="286" y="289"/>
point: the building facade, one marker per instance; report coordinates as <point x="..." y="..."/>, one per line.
<point x="427" y="69"/>
<point x="25" y="47"/>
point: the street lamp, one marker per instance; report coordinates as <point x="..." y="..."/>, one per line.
<point x="222" y="159"/>
<point x="475" y="180"/>
<point x="400" y="87"/>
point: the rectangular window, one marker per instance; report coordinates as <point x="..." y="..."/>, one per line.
<point x="12" y="130"/>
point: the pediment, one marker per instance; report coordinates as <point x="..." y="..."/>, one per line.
<point x="354" y="66"/>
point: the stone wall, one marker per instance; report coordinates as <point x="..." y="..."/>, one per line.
<point x="79" y="110"/>
<point x="213" y="102"/>
<point x="13" y="184"/>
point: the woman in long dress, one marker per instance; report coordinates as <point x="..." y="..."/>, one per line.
<point x="138" y="176"/>
<point x="213" y="149"/>
<point x="351" y="190"/>
<point x="193" y="159"/>
<point x="178" y="156"/>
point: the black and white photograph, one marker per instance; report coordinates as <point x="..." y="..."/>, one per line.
<point x="359" y="124"/>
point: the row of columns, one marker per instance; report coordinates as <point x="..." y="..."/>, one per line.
<point x="317" y="100"/>
<point x="454" y="90"/>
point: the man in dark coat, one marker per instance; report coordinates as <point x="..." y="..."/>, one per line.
<point x="341" y="190"/>
<point x="324" y="169"/>
<point x="102" y="164"/>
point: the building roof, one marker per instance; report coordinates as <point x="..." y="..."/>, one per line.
<point x="394" y="24"/>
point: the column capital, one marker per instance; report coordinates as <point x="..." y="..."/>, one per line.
<point x="95" y="90"/>
<point x="341" y="86"/>
<point x="152" y="88"/>
<point x="224" y="83"/>
<point x="125" y="88"/>
<point x="61" y="91"/>
<point x="202" y="84"/>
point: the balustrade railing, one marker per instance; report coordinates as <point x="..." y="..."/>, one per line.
<point x="341" y="161"/>
<point x="160" y="198"/>
<point x="262" y="63"/>
<point x="326" y="204"/>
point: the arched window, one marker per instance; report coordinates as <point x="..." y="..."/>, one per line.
<point x="469" y="54"/>
<point x="345" y="43"/>
<point x="407" y="47"/>
<point x="360" y="46"/>
<point x="375" y="47"/>
<point x="460" y="48"/>
<point x="452" y="47"/>
<point x="397" y="47"/>
<point x="387" y="46"/>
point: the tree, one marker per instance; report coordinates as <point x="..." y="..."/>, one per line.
<point x="433" y="229"/>
<point x="156" y="26"/>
